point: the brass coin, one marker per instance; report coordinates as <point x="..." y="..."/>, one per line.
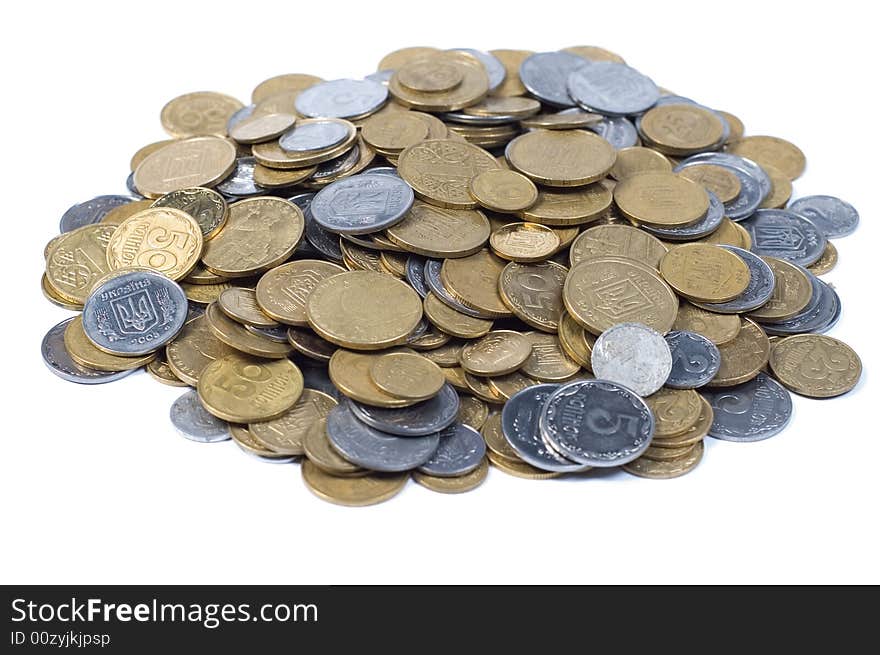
<point x="533" y="292"/>
<point x="194" y="347"/>
<point x="360" y="259"/>
<point x="520" y="469"/>
<point x="118" y="214"/>
<point x="235" y="335"/>
<point x="245" y="440"/>
<point x="705" y="272"/>
<point x="76" y="261"/>
<point x="654" y="470"/>
<point x="160" y="371"/>
<point x="503" y="190"/>
<point x="455" y="376"/>
<point x="260" y="233"/>
<point x="244" y="389"/>
<point x="84" y="352"/>
<point x="162" y="239"/>
<point x="473" y="281"/>
<point x="438" y="232"/>
<point x="430" y="76"/>
<point x="440" y="171"/>
<point x="282" y="102"/>
<point x="575" y="341"/>
<point x="737" y="129"/>
<point x="604" y="291"/>
<point x="272" y="178"/>
<point x="406" y="375"/>
<point x="681" y="129"/>
<point x="201" y="275"/>
<point x="692" y="435"/>
<point x="454" y="322"/>
<point x="350" y="373"/>
<point x="392" y="132"/>
<point x="728" y="234"/>
<point x="258" y="128"/>
<point x="473" y="412"/>
<point x="561" y="158"/>
<point x="718" y="328"/>
<point x="675" y="411"/>
<point x="455" y="485"/>
<point x="281" y="83"/>
<point x="815" y="366"/>
<point x="524" y="242"/>
<point x="310" y="344"/>
<point x="721" y="181"/>
<point x="547" y="361"/>
<point x="399" y="58"/>
<point x="495" y="440"/>
<point x="240" y="304"/>
<point x="200" y="161"/>
<point x="363" y="310"/>
<point x="471" y="89"/>
<point x="429" y="340"/>
<point x="204" y="294"/>
<point x="506" y="107"/>
<point x="617" y="241"/>
<point x="562" y="207"/>
<point x="203" y="113"/>
<point x="498" y="353"/>
<point x="352" y="491"/>
<point x="283" y="292"/>
<point x="659" y="454"/>
<point x="780" y="189"/>
<point x="636" y="159"/>
<point x="445" y="355"/>
<point x="148" y="149"/>
<point x="512" y="60"/>
<point x="284" y="435"/>
<point x="206" y="206"/>
<point x="743" y="357"/>
<point x="661" y="199"/>
<point x="479" y="386"/>
<point x="394" y="263"/>
<point x="594" y="53"/>
<point x="826" y="262"/>
<point x="507" y="385"/>
<point x="568" y="120"/>
<point x="791" y="294"/>
<point x="52" y="296"/>
<point x="320" y="453"/>
<point x="771" y="151"/>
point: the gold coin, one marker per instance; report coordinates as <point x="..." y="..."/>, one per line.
<point x="76" y="261"/>
<point x="472" y="88"/>
<point x="512" y="60"/>
<point x="660" y="454"/>
<point x="360" y="259"/>
<point x="430" y="76"/>
<point x="407" y="376"/>
<point x="440" y="171"/>
<point x="148" y="149"/>
<point x="350" y="373"/>
<point x="743" y="357"/>
<point x="399" y="58"/>
<point x="533" y="292"/>
<point x="721" y="181"/>
<point x="524" y="242"/>
<point x="284" y="435"/>
<point x="495" y="440"/>
<point x="283" y="102"/>
<point x="737" y="129"/>
<point x="704" y="272"/>
<point x="258" y="128"/>
<point x="816" y="366"/>
<point x="240" y="304"/>
<point x="194" y="347"/>
<point x="561" y="158"/>
<point x="507" y="385"/>
<point x="636" y="159"/>
<point x="506" y="107"/>
<point x="479" y="386"/>
<point x="547" y="361"/>
<point x="159" y="370"/>
<point x="654" y="470"/>
<point x="718" y="328"/>
<point x="681" y="129"/>
<point x="392" y="132"/>
<point x="206" y="206"/>
<point x="244" y="389"/>
<point x="204" y="294"/>
<point x="594" y="53"/>
<point x="452" y="321"/>
<point x="562" y="207"/>
<point x="575" y="341"/>
<point x="394" y="263"/>
<point x="235" y="335"/>
<point x="520" y="469"/>
<point x="772" y="151"/>
<point x="352" y="491"/>
<point x="454" y="485"/>
<point x="283" y="292"/>
<point x="455" y="376"/>
<point x="200" y="161"/>
<point x="319" y="452"/>
<point x="245" y="440"/>
<point x="280" y="83"/>
<point x="780" y="189"/>
<point x="567" y="120"/>
<point x="260" y="233"/>
<point x="118" y="214"/>
<point x="438" y="232"/>
<point x="728" y="234"/>
<point x="604" y="291"/>
<point x="162" y="239"/>
<point x="498" y="353"/>
<point x="473" y="412"/>
<point x="675" y="411"/>
<point x="445" y="355"/>
<point x="363" y="310"/>
<point x="203" y="113"/>
<point x="692" y="435"/>
<point x="661" y="199"/>
<point x="276" y="177"/>
<point x="791" y="294"/>
<point x="503" y="190"/>
<point x="52" y="296"/>
<point x="617" y="241"/>
<point x="473" y="281"/>
<point x="826" y="262"/>
<point x="84" y="352"/>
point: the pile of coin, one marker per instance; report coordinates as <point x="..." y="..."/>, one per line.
<point x="542" y="261"/>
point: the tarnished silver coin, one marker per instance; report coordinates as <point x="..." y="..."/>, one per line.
<point x="59" y="361"/>
<point x="338" y="165"/>
<point x="786" y="235"/>
<point x="633" y="355"/>
<point x="194" y="422"/>
<point x="494" y="68"/>
<point x="435" y="284"/>
<point x="762" y="282"/>
<point x="316" y="377"/>
<point x="695" y="360"/>
<point x="240" y="182"/>
<point x="752" y="411"/>
<point x="91" y="211"/>
<point x="342" y="99"/>
<point x="134" y="313"/>
<point x="545" y="76"/>
<point x="415" y="274"/>
<point x="705" y="226"/>
<point x="362" y="204"/>
<point x="471" y="119"/>
<point x="460" y="451"/>
<point x="754" y="182"/>
<point x="317" y="238"/>
<point x="612" y="88"/>
<point x="417" y="420"/>
<point x="276" y="333"/>
<point x="820" y="314"/>
<point x="616" y="130"/>
<point x="596" y="422"/>
<point x="310" y="136"/>
<point x="834" y="217"/>
<point x="375" y="450"/>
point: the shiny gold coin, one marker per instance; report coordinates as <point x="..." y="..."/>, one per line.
<point x="440" y="171"/>
<point x="394" y="263"/>
<point x="780" y="189"/>
<point x="258" y="128"/>
<point x="675" y="411"/>
<point x="495" y="441"/>
<point x="661" y="199"/>
<point x="406" y="375"/>
<point x="524" y="242"/>
<point x="704" y="272"/>
<point x="399" y="58"/>
<point x="520" y="469"/>
<point x="604" y="291"/>
<point x="654" y="470"/>
<point x="472" y="87"/>
<point x="84" y="352"/>
<point x="533" y="292"/>
<point x="452" y="321"/>
<point x="636" y="159"/>
<point x="498" y="353"/>
<point x="659" y="454"/>
<point x="204" y="294"/>
<point x="240" y="304"/>
<point x="547" y="361"/>
<point x="160" y="371"/>
<point x="561" y="207"/>
<point x="826" y="262"/>
<point x="771" y="151"/>
<point x="319" y="452"/>
<point x="118" y="214"/>
<point x="244" y="389"/>
<point x="445" y="355"/>
<point x="283" y="292"/>
<point x="718" y="328"/>
<point x="561" y="158"/>
<point x="235" y="335"/>
<point x="148" y="149"/>
<point x="815" y="366"/>
<point x="694" y="434"/>
<point x="430" y="76"/>
<point x="438" y="232"/>
<point x="455" y="376"/>
<point x="76" y="261"/>
<point x="729" y="234"/>
<point x="473" y="281"/>
<point x="617" y="241"/>
<point x="52" y="296"/>
<point x="206" y="206"/>
<point x="503" y="190"/>
<point x="281" y="83"/>
<point x="721" y="181"/>
<point x="352" y="491"/>
<point x="791" y="294"/>
<point x="260" y="233"/>
<point x="392" y="132"/>
<point x="284" y="435"/>
<point x="276" y="177"/>
<point x="201" y="161"/>
<point x="737" y="129"/>
<point x="203" y="113"/>
<point x="356" y="258"/>
<point x="507" y="385"/>
<point x="575" y="341"/>
<point x="594" y="53"/>
<point x="568" y="120"/>
<point x="455" y="485"/>
<point x="479" y="386"/>
<point x="245" y="440"/>
<point x="743" y="357"/>
<point x="681" y="129"/>
<point x="363" y="310"/>
<point x="498" y="106"/>
<point x="194" y="347"/>
<point x="350" y="373"/>
<point x="512" y="60"/>
<point x="162" y="239"/>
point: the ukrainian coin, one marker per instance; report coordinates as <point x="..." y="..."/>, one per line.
<point x="272" y="178"/>
<point x="358" y="491"/>
<point x="689" y="437"/>
<point x="283" y="292"/>
<point x="524" y="242"/>
<point x="780" y="189"/>
<point x="503" y="190"/>
<point x="160" y="371"/>
<point x="498" y="353"/>
<point x="755" y="410"/>
<point x="59" y="361"/>
<point x="309" y="344"/>
<point x="314" y="135"/>
<point x="433" y="269"/>
<point x="200" y="161"/>
<point x="83" y="352"/>
<point x="52" y="296"/>
<point x="519" y="469"/>
<point x="415" y="274"/>
<point x="261" y="127"/>
<point x="547" y="361"/>
<point x="320" y="453"/>
<point x="498" y="445"/>
<point x="454" y="322"/>
<point x="438" y="70"/>
<point x="501" y="109"/>
<point x="511" y="60"/>
<point x="203" y="113"/>
<point x="284" y="435"/>
<point x="281" y="83"/>
<point x="162" y="239"/>
<point x="755" y="184"/>
<point x="236" y="336"/>
<point x="456" y="484"/>
<point x="206" y="206"/>
<point x="816" y="366"/>
<point x="246" y="442"/>
<point x="705" y="272"/>
<point x="645" y="467"/>
<point x="461" y="450"/>
<point x="718" y="328"/>
<point x="341" y="99"/>
<point x="240" y="183"/>
<point x="391" y="133"/>
<point x="148" y="149"/>
<point x="695" y="360"/>
<point x="782" y="233"/>
<point x="675" y="411"/>
<point x="438" y="232"/>
<point x="350" y="373"/>
<point x="792" y="292"/>
<point x="819" y="315"/>
<point x="276" y="333"/>
<point x="723" y="182"/>
<point x="473" y="281"/>
<point x="663" y="454"/>
<point x="92" y="211"/>
<point x="561" y="158"/>
<point x="494" y="68"/>
<point x="832" y="216"/>
<point x="634" y="160"/>
<point x="617" y="241"/>
<point x="616" y="130"/>
<point x="203" y="294"/>
<point x="681" y="128"/>
<point x="77" y="260"/>
<point x="575" y="341"/>
<point x="405" y="375"/>
<point x="565" y="207"/>
<point x="762" y="283"/>
<point x="633" y="355"/>
<point x="507" y="385"/>
<point x="568" y="119"/>
<point x="772" y="151"/>
<point x="347" y="164"/>
<point x="445" y="355"/>
<point x="271" y="155"/>
<point x="480" y="387"/>
<point x="472" y="411"/>
<point x="315" y="377"/>
<point x="194" y="347"/>
<point x="240" y="304"/>
<point x="612" y="88"/>
<point x="743" y="357"/>
<point x="684" y="202"/>
<point x="533" y="292"/>
<point x="440" y="170"/>
<point x="362" y="204"/>
<point x="191" y="419"/>
<point x="545" y="75"/>
<point x="705" y="227"/>
<point x="826" y="262"/>
<point x="423" y="418"/>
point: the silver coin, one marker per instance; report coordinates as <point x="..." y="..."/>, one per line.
<point x="132" y="189"/>
<point x="519" y="424"/>
<point x="415" y="274"/>
<point x="820" y="314"/>
<point x="494" y="68"/>
<point x="194" y="422"/>
<point x="705" y="226"/>
<point x="338" y="165"/>
<point x="597" y="422"/>
<point x="461" y="450"/>
<point x="754" y="182"/>
<point x="342" y="99"/>
<point x="382" y="77"/>
<point x="316" y="377"/>
<point x="762" y="282"/>
<point x="612" y="88"/>
<point x="633" y="355"/>
<point x="695" y="360"/>
<point x="278" y="334"/>
<point x="313" y="136"/>
<point x="321" y="240"/>
<point x="242" y="114"/>
<point x="834" y="217"/>
<point x="90" y="211"/>
<point x="375" y="450"/>
<point x="545" y="76"/>
<point x="240" y="182"/>
<point x="381" y="170"/>
<point x="303" y="200"/>
<point x="752" y="411"/>
<point x="616" y="130"/>
<point x="134" y="313"/>
<point x="59" y="361"/>
<point x="786" y="235"/>
<point x="362" y="204"/>
<point x="435" y="284"/>
<point x="468" y="119"/>
<point x="417" y="420"/>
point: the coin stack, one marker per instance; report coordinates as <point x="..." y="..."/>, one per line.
<point x="541" y="261"/>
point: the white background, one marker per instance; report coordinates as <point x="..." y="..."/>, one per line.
<point x="97" y="487"/>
